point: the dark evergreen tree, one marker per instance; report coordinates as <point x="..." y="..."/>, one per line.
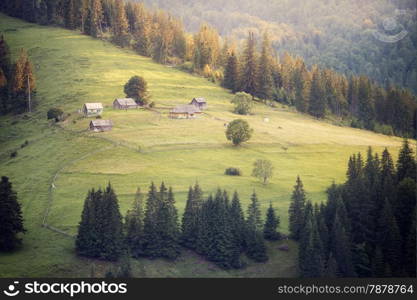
<point x="10" y="216"/>
<point x="238" y="225"/>
<point x="255" y="245"/>
<point x="167" y="225"/>
<point x="134" y="226"/>
<point x="249" y="67"/>
<point x="340" y="246"/>
<point x="189" y="223"/>
<point x="332" y="269"/>
<point x="296" y="210"/>
<point x="100" y="232"/>
<point x="271" y="225"/>
<point x="265" y="80"/>
<point x="231" y="73"/>
<point x="406" y="164"/>
<point x="410" y="249"/>
<point x="151" y="238"/>
<point x="317" y="106"/>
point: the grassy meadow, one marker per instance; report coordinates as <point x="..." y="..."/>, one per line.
<point x="147" y="146"/>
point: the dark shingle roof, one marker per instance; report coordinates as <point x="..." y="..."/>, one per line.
<point x="200" y="100"/>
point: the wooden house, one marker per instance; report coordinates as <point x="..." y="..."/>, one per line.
<point x="201" y="103"/>
<point x="101" y="125"/>
<point x="92" y="109"/>
<point x="124" y="103"/>
<point x="184" y="112"/>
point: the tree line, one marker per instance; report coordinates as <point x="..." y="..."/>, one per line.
<point x="356" y="100"/>
<point x="17" y="81"/>
<point x="257" y="70"/>
<point x="214" y="227"/>
<point x="367" y="227"/>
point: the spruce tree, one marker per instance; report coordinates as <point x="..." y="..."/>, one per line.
<point x="317" y="106"/>
<point x="237" y="219"/>
<point x="231" y="73"/>
<point x="296" y="210"/>
<point x="255" y="245"/>
<point x="271" y="224"/>
<point x="254" y="219"/>
<point x="249" y="75"/>
<point x="134" y="226"/>
<point x="389" y="239"/>
<point x="410" y="248"/>
<point x="340" y="246"/>
<point x="151" y="238"/>
<point x="167" y="225"/>
<point x="10" y="216"/>
<point x="111" y="231"/>
<point x="406" y="164"/>
<point x="265" y="80"/>
<point x="189" y="223"/>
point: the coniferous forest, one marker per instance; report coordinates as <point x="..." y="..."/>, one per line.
<point x="215" y="227"/>
<point x="189" y="138"/>
<point x="250" y="64"/>
<point x="366" y="228"/>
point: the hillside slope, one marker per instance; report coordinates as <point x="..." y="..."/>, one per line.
<point x="53" y="173"/>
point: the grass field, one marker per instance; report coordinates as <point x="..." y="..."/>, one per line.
<point x="147" y="146"/>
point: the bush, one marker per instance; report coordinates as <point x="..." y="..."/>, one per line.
<point x="233" y="172"/>
<point x="98" y="117"/>
<point x="13" y="154"/>
<point x="152" y="104"/>
<point x="384" y="129"/>
<point x="243" y="103"/>
<point x="55" y="113"/>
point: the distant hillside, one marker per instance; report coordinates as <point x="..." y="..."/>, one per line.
<point x="337" y="34"/>
<point x="54" y="170"/>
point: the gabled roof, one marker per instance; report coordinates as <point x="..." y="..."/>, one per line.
<point x="199" y="100"/>
<point x="126" y="101"/>
<point x="93" y="105"/>
<point x="188" y="108"/>
<point x="99" y="122"/>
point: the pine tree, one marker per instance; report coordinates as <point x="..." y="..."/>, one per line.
<point x="406" y="164"/>
<point x="254" y="219"/>
<point x="255" y="245"/>
<point x="167" y="225"/>
<point x="10" y="216"/>
<point x="340" y="246"/>
<point x="271" y="224"/>
<point x="249" y="67"/>
<point x="389" y="239"/>
<point x="120" y="24"/>
<point x="265" y="80"/>
<point x="111" y="229"/>
<point x="296" y="210"/>
<point x="366" y="106"/>
<point x="135" y="227"/>
<point x="189" y="223"/>
<point x="100" y="232"/>
<point x="317" y="107"/>
<point x="231" y="73"/>
<point x="237" y="219"/>
<point x="151" y="238"/>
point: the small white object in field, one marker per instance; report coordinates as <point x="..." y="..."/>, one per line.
<point x="266" y="120"/>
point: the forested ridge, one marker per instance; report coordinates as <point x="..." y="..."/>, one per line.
<point x="251" y="66"/>
<point x="335" y="34"/>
